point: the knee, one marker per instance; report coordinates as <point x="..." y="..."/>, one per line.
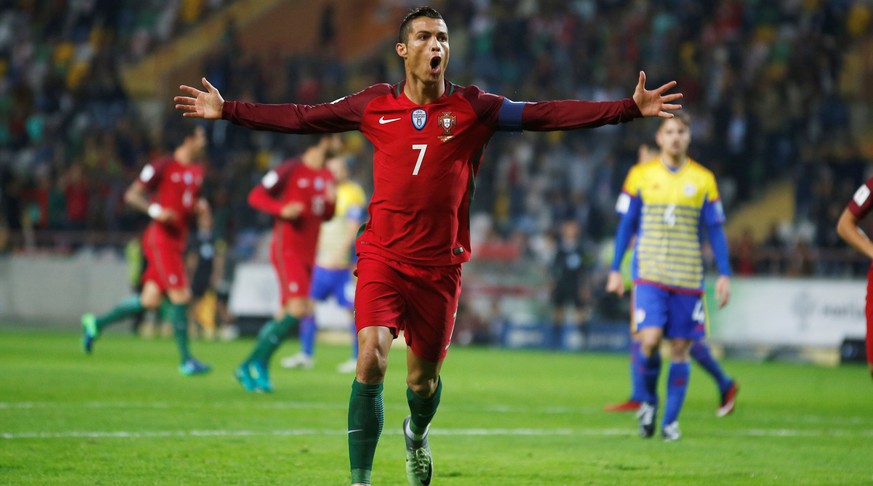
<point x="372" y="364"/>
<point x="180" y="297"/>
<point x="680" y="350"/>
<point x="423" y="386"/>
<point x="298" y="307"/>
<point x="650" y="345"/>
<point x="150" y="302"/>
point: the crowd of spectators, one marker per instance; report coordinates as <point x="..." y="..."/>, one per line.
<point x="776" y="91"/>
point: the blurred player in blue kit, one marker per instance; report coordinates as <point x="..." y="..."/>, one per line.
<point x="666" y="205"/>
<point x="700" y="351"/>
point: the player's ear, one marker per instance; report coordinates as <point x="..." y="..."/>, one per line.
<point x="400" y="48"/>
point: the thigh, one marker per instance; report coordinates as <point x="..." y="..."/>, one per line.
<point x="378" y="297"/>
<point x="420" y="301"/>
<point x="432" y="306"/>
<point x="649" y="307"/>
<point x="687" y="317"/>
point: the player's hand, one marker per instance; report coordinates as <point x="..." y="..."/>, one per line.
<point x="200" y="104"/>
<point x="722" y="290"/>
<point x="615" y="283"/>
<point x="656" y="102"/>
<point x="166" y="216"/>
<point x="291" y="210"/>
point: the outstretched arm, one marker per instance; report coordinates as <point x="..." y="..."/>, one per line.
<point x="341" y="115"/>
<point x="573" y="114"/>
<point x="200" y="104"/>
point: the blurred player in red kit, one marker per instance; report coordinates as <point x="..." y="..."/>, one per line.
<point x="428" y="136"/>
<point x="300" y="194"/>
<point x="168" y="190"/>
<point x="849" y="230"/>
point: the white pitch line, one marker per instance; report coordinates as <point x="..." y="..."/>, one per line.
<point x="822" y="421"/>
<point x="776" y="433"/>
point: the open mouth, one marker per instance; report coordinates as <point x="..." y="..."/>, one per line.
<point x="435" y="63"/>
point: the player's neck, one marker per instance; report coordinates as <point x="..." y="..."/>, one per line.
<point x="182" y="155"/>
<point x="674" y="162"/>
<point x="313" y="158"/>
<point x="421" y="92"/>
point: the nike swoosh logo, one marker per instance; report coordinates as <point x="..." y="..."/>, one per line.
<point x="356" y="430"/>
<point x="384" y="120"/>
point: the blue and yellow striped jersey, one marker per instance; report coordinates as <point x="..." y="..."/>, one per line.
<point x="670" y="209"/>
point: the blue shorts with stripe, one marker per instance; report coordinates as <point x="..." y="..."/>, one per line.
<point x="680" y="315"/>
<point x="332" y="282"/>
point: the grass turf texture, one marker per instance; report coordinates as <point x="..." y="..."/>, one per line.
<point x="125" y="416"/>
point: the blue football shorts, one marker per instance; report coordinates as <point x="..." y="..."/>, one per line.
<point x="679" y="315"/>
<point x="332" y="282"/>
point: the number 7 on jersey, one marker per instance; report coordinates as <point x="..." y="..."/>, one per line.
<point x="422" y="148"/>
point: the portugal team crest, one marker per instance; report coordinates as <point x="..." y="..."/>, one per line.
<point x="419" y="118"/>
<point x="447" y="121"/>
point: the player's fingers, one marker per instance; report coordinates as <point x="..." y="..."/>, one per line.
<point x="642" y="81"/>
<point x="208" y="85"/>
<point x="665" y="114"/>
<point x="191" y="91"/>
<point x="184" y="99"/>
<point x="671" y="97"/>
<point x="665" y="87"/>
<point x="186" y="107"/>
<point x="671" y="107"/>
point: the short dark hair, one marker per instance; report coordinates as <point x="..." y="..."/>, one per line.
<point x="679" y="116"/>
<point x="413" y="14"/>
<point x="175" y="132"/>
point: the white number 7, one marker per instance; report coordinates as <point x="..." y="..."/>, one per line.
<point x="423" y="149"/>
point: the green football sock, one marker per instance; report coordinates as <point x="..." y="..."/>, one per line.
<point x="270" y="337"/>
<point x="366" y="417"/>
<point x="422" y="409"/>
<point x="178" y="314"/>
<point x="129" y="306"/>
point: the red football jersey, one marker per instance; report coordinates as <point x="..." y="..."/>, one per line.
<point x="177" y="187"/>
<point x="293" y="181"/>
<point x="426" y="156"/>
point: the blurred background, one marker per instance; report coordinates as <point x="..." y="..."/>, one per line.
<point x="778" y="91"/>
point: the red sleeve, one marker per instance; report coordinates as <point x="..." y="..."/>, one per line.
<point x="341" y="115"/>
<point x="569" y="114"/>
<point x="266" y="196"/>
<point x="861" y="202"/>
<point x="151" y="174"/>
<point x="261" y="200"/>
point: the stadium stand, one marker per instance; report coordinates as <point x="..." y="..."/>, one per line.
<point x="776" y="91"/>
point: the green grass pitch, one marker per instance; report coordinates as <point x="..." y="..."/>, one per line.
<point x="125" y="416"/>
